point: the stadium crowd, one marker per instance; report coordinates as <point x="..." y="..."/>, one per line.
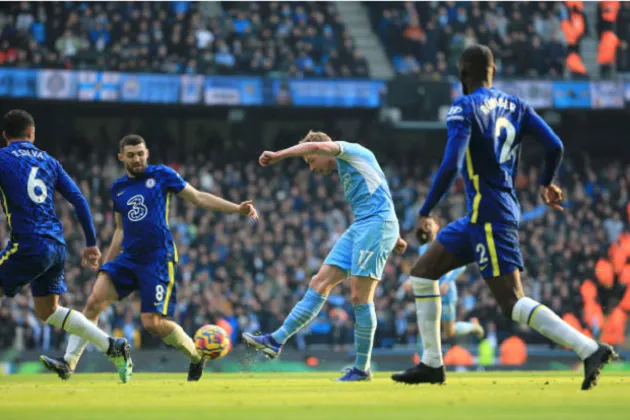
<point x="247" y="277"/>
<point x="426" y="38"/>
<point x="298" y="39"/>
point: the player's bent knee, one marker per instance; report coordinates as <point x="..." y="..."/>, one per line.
<point x="44" y="312"/>
<point x="152" y="323"/>
<point x="320" y="284"/>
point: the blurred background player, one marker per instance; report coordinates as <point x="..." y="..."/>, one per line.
<point x="361" y="251"/>
<point x="448" y="293"/>
<point x="147" y="262"/>
<point x="485" y="128"/>
<point x="36" y="253"/>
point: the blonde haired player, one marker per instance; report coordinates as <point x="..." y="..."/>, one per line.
<point x="360" y="253"/>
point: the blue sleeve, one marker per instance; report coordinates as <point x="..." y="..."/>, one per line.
<point x="536" y="126"/>
<point x="69" y="190"/>
<point x="459" y="127"/>
<point x="173" y="181"/>
<point x="351" y="149"/>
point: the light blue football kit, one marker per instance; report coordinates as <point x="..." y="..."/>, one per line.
<point x="364" y="247"/>
<point x="361" y="251"/>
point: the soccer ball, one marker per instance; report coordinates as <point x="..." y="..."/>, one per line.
<point x="212" y="342"/>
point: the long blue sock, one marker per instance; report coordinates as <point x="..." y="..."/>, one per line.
<point x="364" y="330"/>
<point x="303" y="313"/>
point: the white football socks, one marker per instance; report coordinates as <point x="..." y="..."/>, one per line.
<point x="74" y="350"/>
<point x="182" y="342"/>
<point x="429" y="312"/>
<point x="542" y="319"/>
<point x="76" y="323"/>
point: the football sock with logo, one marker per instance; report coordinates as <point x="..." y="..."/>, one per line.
<point x="529" y="312"/>
<point x="182" y="342"/>
<point x="301" y="314"/>
<point x="364" y="330"/>
<point x="77" y="324"/>
<point x="74" y="350"/>
<point x="428" y="311"/>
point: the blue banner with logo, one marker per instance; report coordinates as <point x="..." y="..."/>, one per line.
<point x="154" y="88"/>
<point x="224" y="90"/>
<point x="329" y="93"/>
<point x="18" y="83"/>
<point x="572" y="94"/>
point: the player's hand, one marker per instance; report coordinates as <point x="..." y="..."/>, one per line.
<point x="91" y="256"/>
<point x="401" y="246"/>
<point x="552" y="196"/>
<point x="247" y="208"/>
<point x="268" y="158"/>
<point x="426" y="229"/>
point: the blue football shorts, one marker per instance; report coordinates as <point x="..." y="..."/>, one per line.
<point x="364" y="247"/>
<point x="493" y="246"/>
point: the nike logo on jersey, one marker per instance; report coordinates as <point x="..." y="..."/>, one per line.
<point x="120" y="193"/>
<point x="483" y="267"/>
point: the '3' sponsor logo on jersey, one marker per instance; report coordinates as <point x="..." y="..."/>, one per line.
<point x="138" y="209"/>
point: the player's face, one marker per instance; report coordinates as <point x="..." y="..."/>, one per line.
<point x="321" y="164"/>
<point x="134" y="158"/>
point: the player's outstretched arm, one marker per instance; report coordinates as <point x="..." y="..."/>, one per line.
<point x="325" y="148"/>
<point x="212" y="202"/>
<point x="117" y="239"/>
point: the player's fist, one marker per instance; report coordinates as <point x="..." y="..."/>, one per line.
<point x="552" y="196"/>
<point x="401" y="246"/>
<point x="426" y="229"/>
<point x="91" y="256"/>
<point x="268" y="158"/>
<point x="247" y="208"/>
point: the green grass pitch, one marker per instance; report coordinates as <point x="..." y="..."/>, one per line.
<point x="499" y="395"/>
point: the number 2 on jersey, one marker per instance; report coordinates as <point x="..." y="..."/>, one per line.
<point x="32" y="184"/>
<point x="510" y="135"/>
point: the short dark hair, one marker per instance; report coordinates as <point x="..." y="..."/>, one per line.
<point x="474" y="63"/>
<point x="16" y="122"/>
<point x="130" y="140"/>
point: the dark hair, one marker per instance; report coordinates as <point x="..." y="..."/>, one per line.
<point x="130" y="140"/>
<point x="474" y="63"/>
<point x="16" y="122"/>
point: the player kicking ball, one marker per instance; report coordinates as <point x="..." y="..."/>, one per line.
<point x="36" y="253"/>
<point x="148" y="261"/>
<point x="485" y="129"/>
<point x="448" y="293"/>
<point x="361" y="252"/>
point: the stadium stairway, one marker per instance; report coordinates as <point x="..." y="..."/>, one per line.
<point x="588" y="48"/>
<point x="355" y="16"/>
<point x="210" y="9"/>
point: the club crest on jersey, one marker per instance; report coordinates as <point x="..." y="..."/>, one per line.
<point x="150" y="183"/>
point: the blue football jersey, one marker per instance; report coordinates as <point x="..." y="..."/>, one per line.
<point x="364" y="183"/>
<point x="450" y="278"/>
<point x="143" y="203"/>
<point x="495" y="120"/>
<point x="28" y="180"/>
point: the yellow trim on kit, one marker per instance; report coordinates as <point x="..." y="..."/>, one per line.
<point x="531" y="316"/>
<point x="168" y="207"/>
<point x="10" y="252"/>
<point x="475" y="180"/>
<point x="427" y="298"/>
<point x="492" y="250"/>
<point x="5" y="206"/>
<point x="169" y="289"/>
